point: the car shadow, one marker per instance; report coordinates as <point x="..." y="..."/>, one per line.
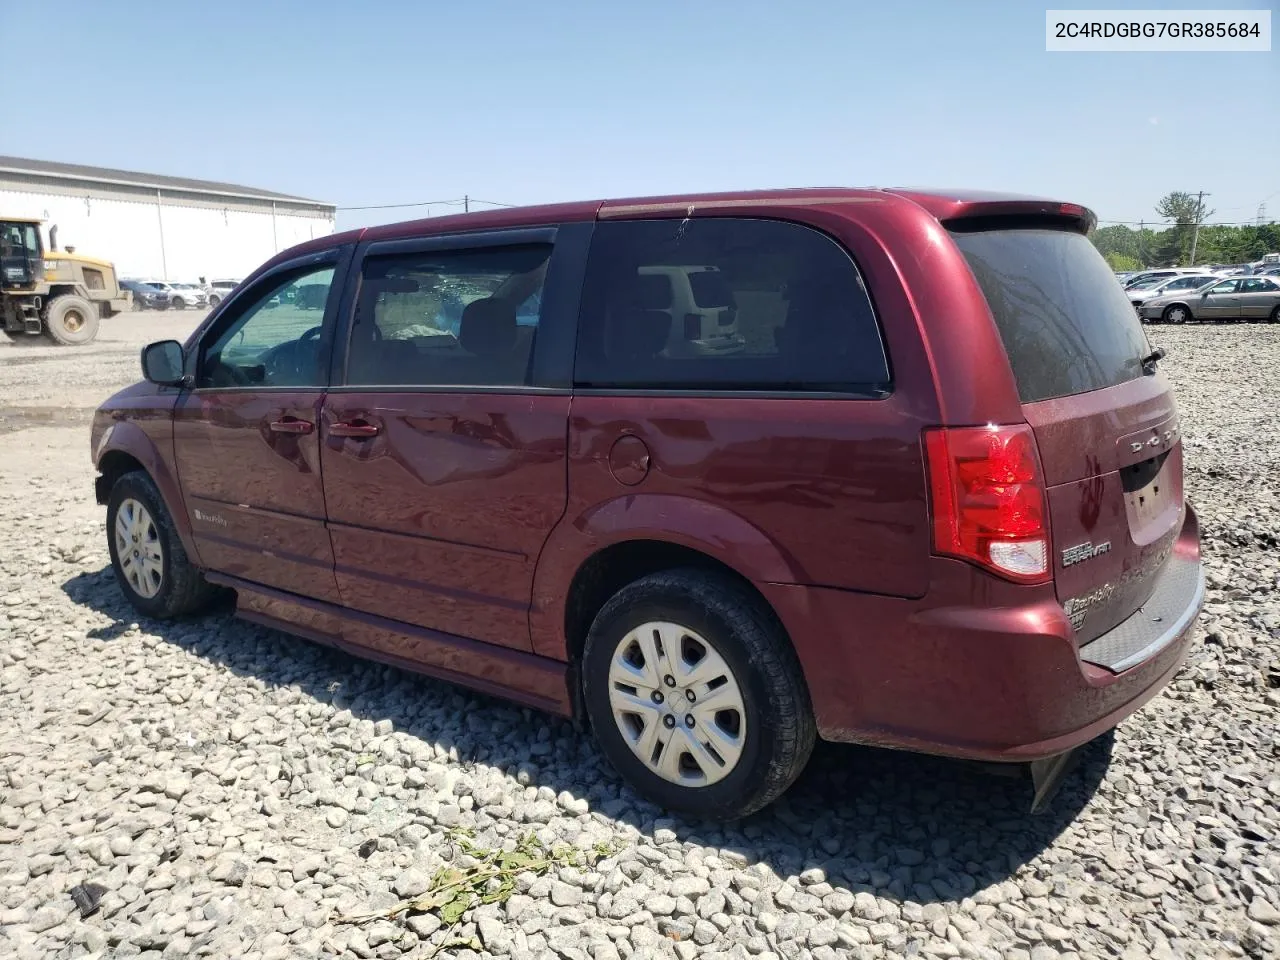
<point x="903" y="826"/>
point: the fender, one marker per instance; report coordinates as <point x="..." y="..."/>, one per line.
<point x="130" y="437"/>
<point x="697" y="524"/>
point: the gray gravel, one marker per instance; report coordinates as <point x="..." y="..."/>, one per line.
<point x="234" y="789"/>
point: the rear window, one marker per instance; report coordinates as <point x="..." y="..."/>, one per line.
<point x="792" y="311"/>
<point x="1067" y="326"/>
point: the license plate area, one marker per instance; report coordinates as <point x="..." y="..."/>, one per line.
<point x="1149" y="491"/>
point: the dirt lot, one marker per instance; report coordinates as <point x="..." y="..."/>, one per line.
<point x="234" y="791"/>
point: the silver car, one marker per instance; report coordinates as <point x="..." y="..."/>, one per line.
<point x="1237" y="298"/>
<point x="1142" y="292"/>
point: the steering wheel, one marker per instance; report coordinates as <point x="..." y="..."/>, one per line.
<point x="287" y="362"/>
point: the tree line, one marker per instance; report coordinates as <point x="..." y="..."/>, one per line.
<point x="1126" y="248"/>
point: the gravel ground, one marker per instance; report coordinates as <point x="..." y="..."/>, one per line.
<point x="235" y="791"/>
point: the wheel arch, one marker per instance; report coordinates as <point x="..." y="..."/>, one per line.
<point x="636" y="532"/>
<point x="124" y="448"/>
<point x="611" y="568"/>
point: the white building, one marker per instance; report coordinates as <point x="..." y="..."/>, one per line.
<point x="157" y="227"/>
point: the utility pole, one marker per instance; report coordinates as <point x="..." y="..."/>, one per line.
<point x="1262" y="214"/>
<point x="466" y="204"/>
<point x="1195" y="232"/>
<point x="1142" y="242"/>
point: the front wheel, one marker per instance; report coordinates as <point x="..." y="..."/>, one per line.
<point x="696" y="695"/>
<point x="178" y="303"/>
<point x="70" y="320"/>
<point x="150" y="564"/>
<point x="214" y="300"/>
<point x="1275" y="314"/>
<point x="1177" y="313"/>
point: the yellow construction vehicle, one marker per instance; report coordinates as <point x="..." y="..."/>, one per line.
<point x="61" y="294"/>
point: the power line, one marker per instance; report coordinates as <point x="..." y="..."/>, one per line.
<point x="463" y="202"/>
<point x="1216" y="223"/>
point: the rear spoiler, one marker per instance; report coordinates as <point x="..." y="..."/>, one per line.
<point x="987" y="216"/>
<point x="978" y="211"/>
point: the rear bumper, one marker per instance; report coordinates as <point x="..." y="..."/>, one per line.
<point x="977" y="669"/>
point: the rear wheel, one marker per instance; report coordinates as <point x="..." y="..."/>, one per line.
<point x="70" y="320"/>
<point x="1275" y="314"/>
<point x="147" y="556"/>
<point x="178" y="303"/>
<point x="1176" y="313"/>
<point x="695" y="694"/>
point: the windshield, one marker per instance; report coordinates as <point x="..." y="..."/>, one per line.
<point x="1067" y="326"/>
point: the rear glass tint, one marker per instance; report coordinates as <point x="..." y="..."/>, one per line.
<point x="1067" y="326"/>
<point x="792" y="313"/>
<point x="710" y="290"/>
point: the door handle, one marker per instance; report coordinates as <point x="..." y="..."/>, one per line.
<point x="354" y="428"/>
<point x="291" y="425"/>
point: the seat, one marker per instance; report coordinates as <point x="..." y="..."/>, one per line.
<point x="495" y="352"/>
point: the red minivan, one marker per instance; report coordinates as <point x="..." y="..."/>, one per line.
<point x="925" y="492"/>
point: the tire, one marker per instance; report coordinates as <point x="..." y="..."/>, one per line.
<point x="214" y="300"/>
<point x="1275" y="315"/>
<point x="1176" y="313"/>
<point x="170" y="586"/>
<point x="713" y="613"/>
<point x="70" y="320"/>
<point x="178" y="303"/>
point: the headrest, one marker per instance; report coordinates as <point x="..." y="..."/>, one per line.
<point x="488" y="327"/>
<point x="638" y="334"/>
<point x="649" y="291"/>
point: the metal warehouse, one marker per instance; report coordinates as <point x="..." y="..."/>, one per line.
<point x="160" y="227"/>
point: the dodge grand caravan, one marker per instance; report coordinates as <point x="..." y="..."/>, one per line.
<point x="934" y="501"/>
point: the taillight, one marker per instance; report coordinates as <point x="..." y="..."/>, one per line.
<point x="988" y="499"/>
<point x="692" y="326"/>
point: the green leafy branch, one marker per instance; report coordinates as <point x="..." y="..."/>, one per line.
<point x="492" y="879"/>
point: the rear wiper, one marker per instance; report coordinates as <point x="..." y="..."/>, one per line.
<point x="1151" y="359"/>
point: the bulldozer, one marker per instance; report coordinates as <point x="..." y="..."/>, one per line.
<point x="61" y="294"/>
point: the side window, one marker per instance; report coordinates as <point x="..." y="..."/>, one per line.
<point x="1227" y="286"/>
<point x="725" y="304"/>
<point x="275" y="340"/>
<point x="448" y="318"/>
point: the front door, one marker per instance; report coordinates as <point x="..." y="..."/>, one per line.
<point x="246" y="439"/>
<point x="443" y="451"/>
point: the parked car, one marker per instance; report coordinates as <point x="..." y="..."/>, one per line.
<point x="145" y="296"/>
<point x="1236" y="298"/>
<point x="1164" y="273"/>
<point x="219" y="290"/>
<point x="935" y="502"/>
<point x="181" y="295"/>
<point x="192" y="294"/>
<point x="1143" y="292"/>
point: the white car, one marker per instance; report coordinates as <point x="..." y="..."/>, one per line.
<point x="181" y="295"/>
<point x="194" y="294"/>
<point x="219" y="290"/>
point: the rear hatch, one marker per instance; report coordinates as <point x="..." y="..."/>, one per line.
<point x="1106" y="427"/>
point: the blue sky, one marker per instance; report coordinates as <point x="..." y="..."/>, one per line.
<point x="391" y="102"/>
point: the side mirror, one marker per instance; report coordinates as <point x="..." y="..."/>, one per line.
<point x="162" y="362"/>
